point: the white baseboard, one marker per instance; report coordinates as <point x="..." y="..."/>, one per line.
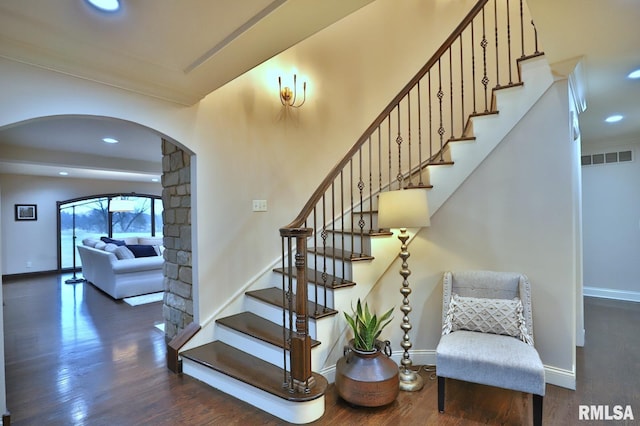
<point x="553" y="376"/>
<point x="609" y="293"/>
<point x="560" y="377"/>
<point x="419" y="357"/>
<point x="580" y="336"/>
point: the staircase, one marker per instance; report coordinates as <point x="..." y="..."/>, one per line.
<point x="289" y="324"/>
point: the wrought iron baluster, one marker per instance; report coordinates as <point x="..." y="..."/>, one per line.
<point x="420" y="162"/>
<point x="462" y="116"/>
<point x="315" y="256"/>
<point x="409" y="137"/>
<point x="430" y="117"/>
<point x="289" y="307"/>
<point x="484" y="43"/>
<point x="379" y="169"/>
<point x="286" y="244"/>
<point x="389" y="144"/>
<point x="473" y="67"/>
<point x="370" y="189"/>
<point x="343" y="231"/>
<point x="440" y="96"/>
<point x="522" y="55"/>
<point x="451" y="129"/>
<point x="509" y="42"/>
<point x="495" y="26"/>
<point x="399" y="143"/>
<point x="353" y="229"/>
<point x="333" y="234"/>
<point x="361" y="193"/>
<point x="324" y="235"/>
<point x="535" y="37"/>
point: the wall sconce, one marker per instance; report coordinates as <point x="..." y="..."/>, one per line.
<point x="288" y="97"/>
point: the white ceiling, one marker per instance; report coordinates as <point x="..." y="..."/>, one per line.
<point x="182" y="50"/>
<point x="606" y="35"/>
<point x="178" y="51"/>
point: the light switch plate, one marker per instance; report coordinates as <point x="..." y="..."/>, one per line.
<point x="259" y="205"/>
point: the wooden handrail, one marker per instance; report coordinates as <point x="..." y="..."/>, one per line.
<point x="326" y="183"/>
<point x="439" y="113"/>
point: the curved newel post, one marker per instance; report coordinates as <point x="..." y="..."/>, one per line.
<point x="300" y="341"/>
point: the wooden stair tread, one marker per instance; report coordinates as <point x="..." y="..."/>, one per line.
<point x="371" y="233"/>
<point x="258" y="327"/>
<point x="509" y="85"/>
<point x="273" y="296"/>
<point x="462" y="139"/>
<point x="345" y="255"/>
<point x="315" y="277"/>
<point x="251" y="370"/>
<point x="482" y="114"/>
<point x="440" y="163"/>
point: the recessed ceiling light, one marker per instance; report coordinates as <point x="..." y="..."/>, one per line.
<point x="63" y="173"/>
<point x="155" y="180"/>
<point x="634" y="74"/>
<point x="613" y="118"/>
<point x="105" y="5"/>
<point x="110" y="140"/>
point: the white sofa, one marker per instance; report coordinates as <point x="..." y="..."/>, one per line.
<point x="112" y="269"/>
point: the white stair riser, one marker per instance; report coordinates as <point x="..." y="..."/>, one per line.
<point x="251" y="345"/>
<point x="360" y="243"/>
<point x="274" y="314"/>
<point x="293" y="412"/>
<point x="331" y="266"/>
<point x="264" y="350"/>
<point x="311" y="293"/>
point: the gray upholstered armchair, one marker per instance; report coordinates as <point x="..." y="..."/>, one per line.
<point x="487" y="335"/>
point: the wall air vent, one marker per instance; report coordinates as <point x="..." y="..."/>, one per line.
<point x="607" y="158"/>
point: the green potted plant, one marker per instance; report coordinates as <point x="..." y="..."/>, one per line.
<point x="366" y="326"/>
<point x="366" y="375"/>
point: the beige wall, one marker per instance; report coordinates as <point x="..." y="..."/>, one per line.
<point x="247" y="145"/>
<point x="514" y="213"/>
<point x="612" y="223"/>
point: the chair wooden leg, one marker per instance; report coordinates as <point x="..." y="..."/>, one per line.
<point x="441" y="394"/>
<point x="537" y="410"/>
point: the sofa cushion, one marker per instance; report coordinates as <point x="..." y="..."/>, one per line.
<point x="485" y="315"/>
<point x="110" y="248"/>
<point x="150" y="241"/>
<point x="112" y="241"/>
<point x="142" y="250"/>
<point x="123" y="252"/>
<point x="100" y="245"/>
<point x="90" y="242"/>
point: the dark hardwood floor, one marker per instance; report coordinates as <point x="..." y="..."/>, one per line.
<point x="74" y="356"/>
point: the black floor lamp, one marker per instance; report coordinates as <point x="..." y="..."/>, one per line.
<point x="75" y="279"/>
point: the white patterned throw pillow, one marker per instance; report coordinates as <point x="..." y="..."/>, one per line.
<point x="496" y="316"/>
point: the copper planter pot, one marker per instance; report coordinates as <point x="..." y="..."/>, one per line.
<point x="368" y="379"/>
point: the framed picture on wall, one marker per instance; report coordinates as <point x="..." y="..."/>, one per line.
<point x="26" y="212"/>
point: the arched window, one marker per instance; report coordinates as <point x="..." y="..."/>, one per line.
<point x="111" y="215"/>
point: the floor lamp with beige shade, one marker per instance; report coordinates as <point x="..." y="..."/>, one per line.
<point x="408" y="208"/>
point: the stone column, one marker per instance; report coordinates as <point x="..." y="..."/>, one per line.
<point x="177" y="310"/>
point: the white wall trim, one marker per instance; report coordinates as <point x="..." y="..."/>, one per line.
<point x="580" y="336"/>
<point x="560" y="377"/>
<point x="418" y="357"/>
<point x="610" y="293"/>
<point x="553" y="375"/>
